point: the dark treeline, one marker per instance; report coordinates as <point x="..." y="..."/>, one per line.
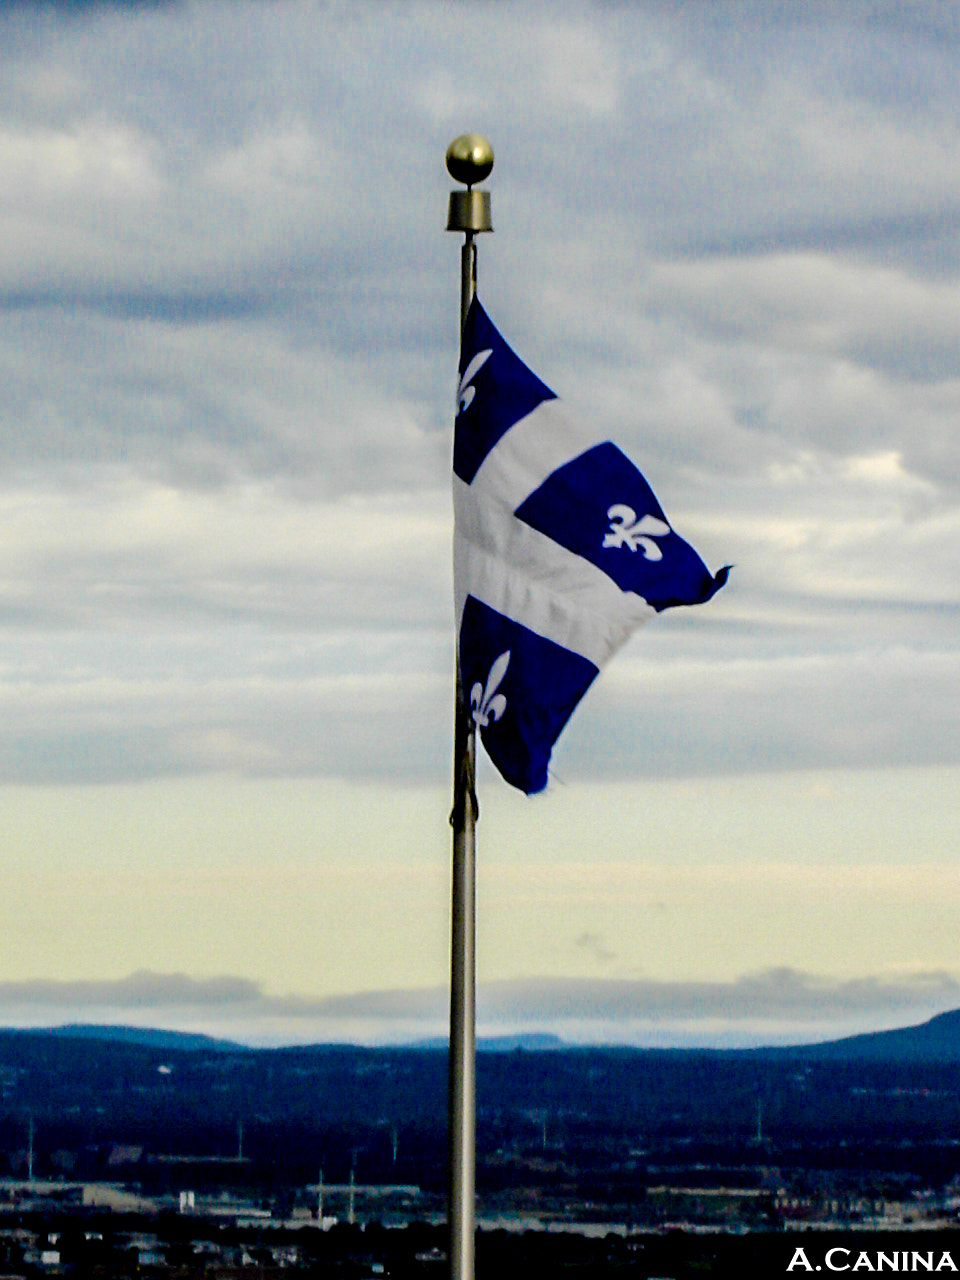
<point x="382" y="1112"/>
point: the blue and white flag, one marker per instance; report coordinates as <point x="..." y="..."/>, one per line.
<point x="560" y="551"/>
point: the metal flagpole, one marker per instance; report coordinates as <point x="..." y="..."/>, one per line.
<point x="469" y="160"/>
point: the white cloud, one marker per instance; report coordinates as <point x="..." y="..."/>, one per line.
<point x="175" y="630"/>
<point x="579" y="71"/>
<point x="101" y="163"/>
<point x="889" y="705"/>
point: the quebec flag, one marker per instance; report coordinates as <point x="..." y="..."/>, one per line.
<point x="561" y="550"/>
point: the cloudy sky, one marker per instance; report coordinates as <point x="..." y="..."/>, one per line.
<point x="727" y="235"/>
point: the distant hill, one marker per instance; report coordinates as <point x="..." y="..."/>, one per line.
<point x="153" y="1038"/>
<point x="176" y="1041"/>
<point x="937" y="1040"/>
<point x="532" y="1042"/>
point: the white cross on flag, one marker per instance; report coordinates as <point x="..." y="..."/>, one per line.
<point x="560" y="551"/>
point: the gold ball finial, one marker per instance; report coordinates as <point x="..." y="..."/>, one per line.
<point x="469" y="158"/>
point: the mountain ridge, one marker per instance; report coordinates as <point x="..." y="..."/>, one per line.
<point x="936" y="1039"/>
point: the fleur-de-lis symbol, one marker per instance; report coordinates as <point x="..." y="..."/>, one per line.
<point x="627" y="531"/>
<point x="465" y="391"/>
<point x="485" y="703"/>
